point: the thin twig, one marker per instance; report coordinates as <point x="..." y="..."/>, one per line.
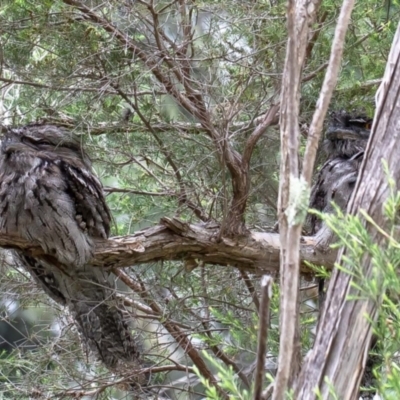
<point x="312" y="75"/>
<point x="271" y="117"/>
<point x="182" y="197"/>
<point x="180" y="337"/>
<point x="251" y="289"/>
<point x="218" y="352"/>
<point x="108" y="189"/>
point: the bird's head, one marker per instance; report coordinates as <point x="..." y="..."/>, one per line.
<point x="43" y="138"/>
<point x="345" y="126"/>
<point x="347" y="134"/>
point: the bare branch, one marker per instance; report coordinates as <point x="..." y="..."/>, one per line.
<point x="251" y="289"/>
<point x="327" y="90"/>
<point x="270" y="118"/>
<point x="177" y="240"/>
<point x="313" y="74"/>
<point x="108" y="189"/>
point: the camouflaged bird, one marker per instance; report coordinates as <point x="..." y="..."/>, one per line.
<point x="344" y="145"/>
<point x="50" y="196"/>
<point x="345" y="142"/>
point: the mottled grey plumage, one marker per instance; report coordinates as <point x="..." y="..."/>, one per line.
<point x="344" y="144"/>
<point x="49" y="195"/>
<point x="346" y="135"/>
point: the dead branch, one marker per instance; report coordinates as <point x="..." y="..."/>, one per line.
<point x="177" y="240"/>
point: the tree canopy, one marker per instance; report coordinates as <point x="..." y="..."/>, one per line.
<point x="179" y="105"/>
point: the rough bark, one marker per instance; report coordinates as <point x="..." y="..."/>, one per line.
<point x="177" y="240"/>
<point x="300" y="16"/>
<point x="342" y="342"/>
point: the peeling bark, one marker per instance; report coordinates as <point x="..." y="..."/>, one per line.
<point x="177" y="240"/>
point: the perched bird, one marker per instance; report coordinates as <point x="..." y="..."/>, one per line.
<point x="50" y="196"/>
<point x="344" y="145"/>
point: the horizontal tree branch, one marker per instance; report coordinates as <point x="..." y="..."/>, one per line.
<point x="174" y="239"/>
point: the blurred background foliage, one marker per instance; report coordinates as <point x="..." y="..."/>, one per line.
<point x="156" y="159"/>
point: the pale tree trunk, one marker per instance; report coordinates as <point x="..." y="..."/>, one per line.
<point x="294" y="201"/>
<point x="341" y="346"/>
<point x="298" y="24"/>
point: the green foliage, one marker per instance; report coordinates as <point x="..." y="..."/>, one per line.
<point x="381" y="286"/>
<point x="59" y="67"/>
<point x="228" y="379"/>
